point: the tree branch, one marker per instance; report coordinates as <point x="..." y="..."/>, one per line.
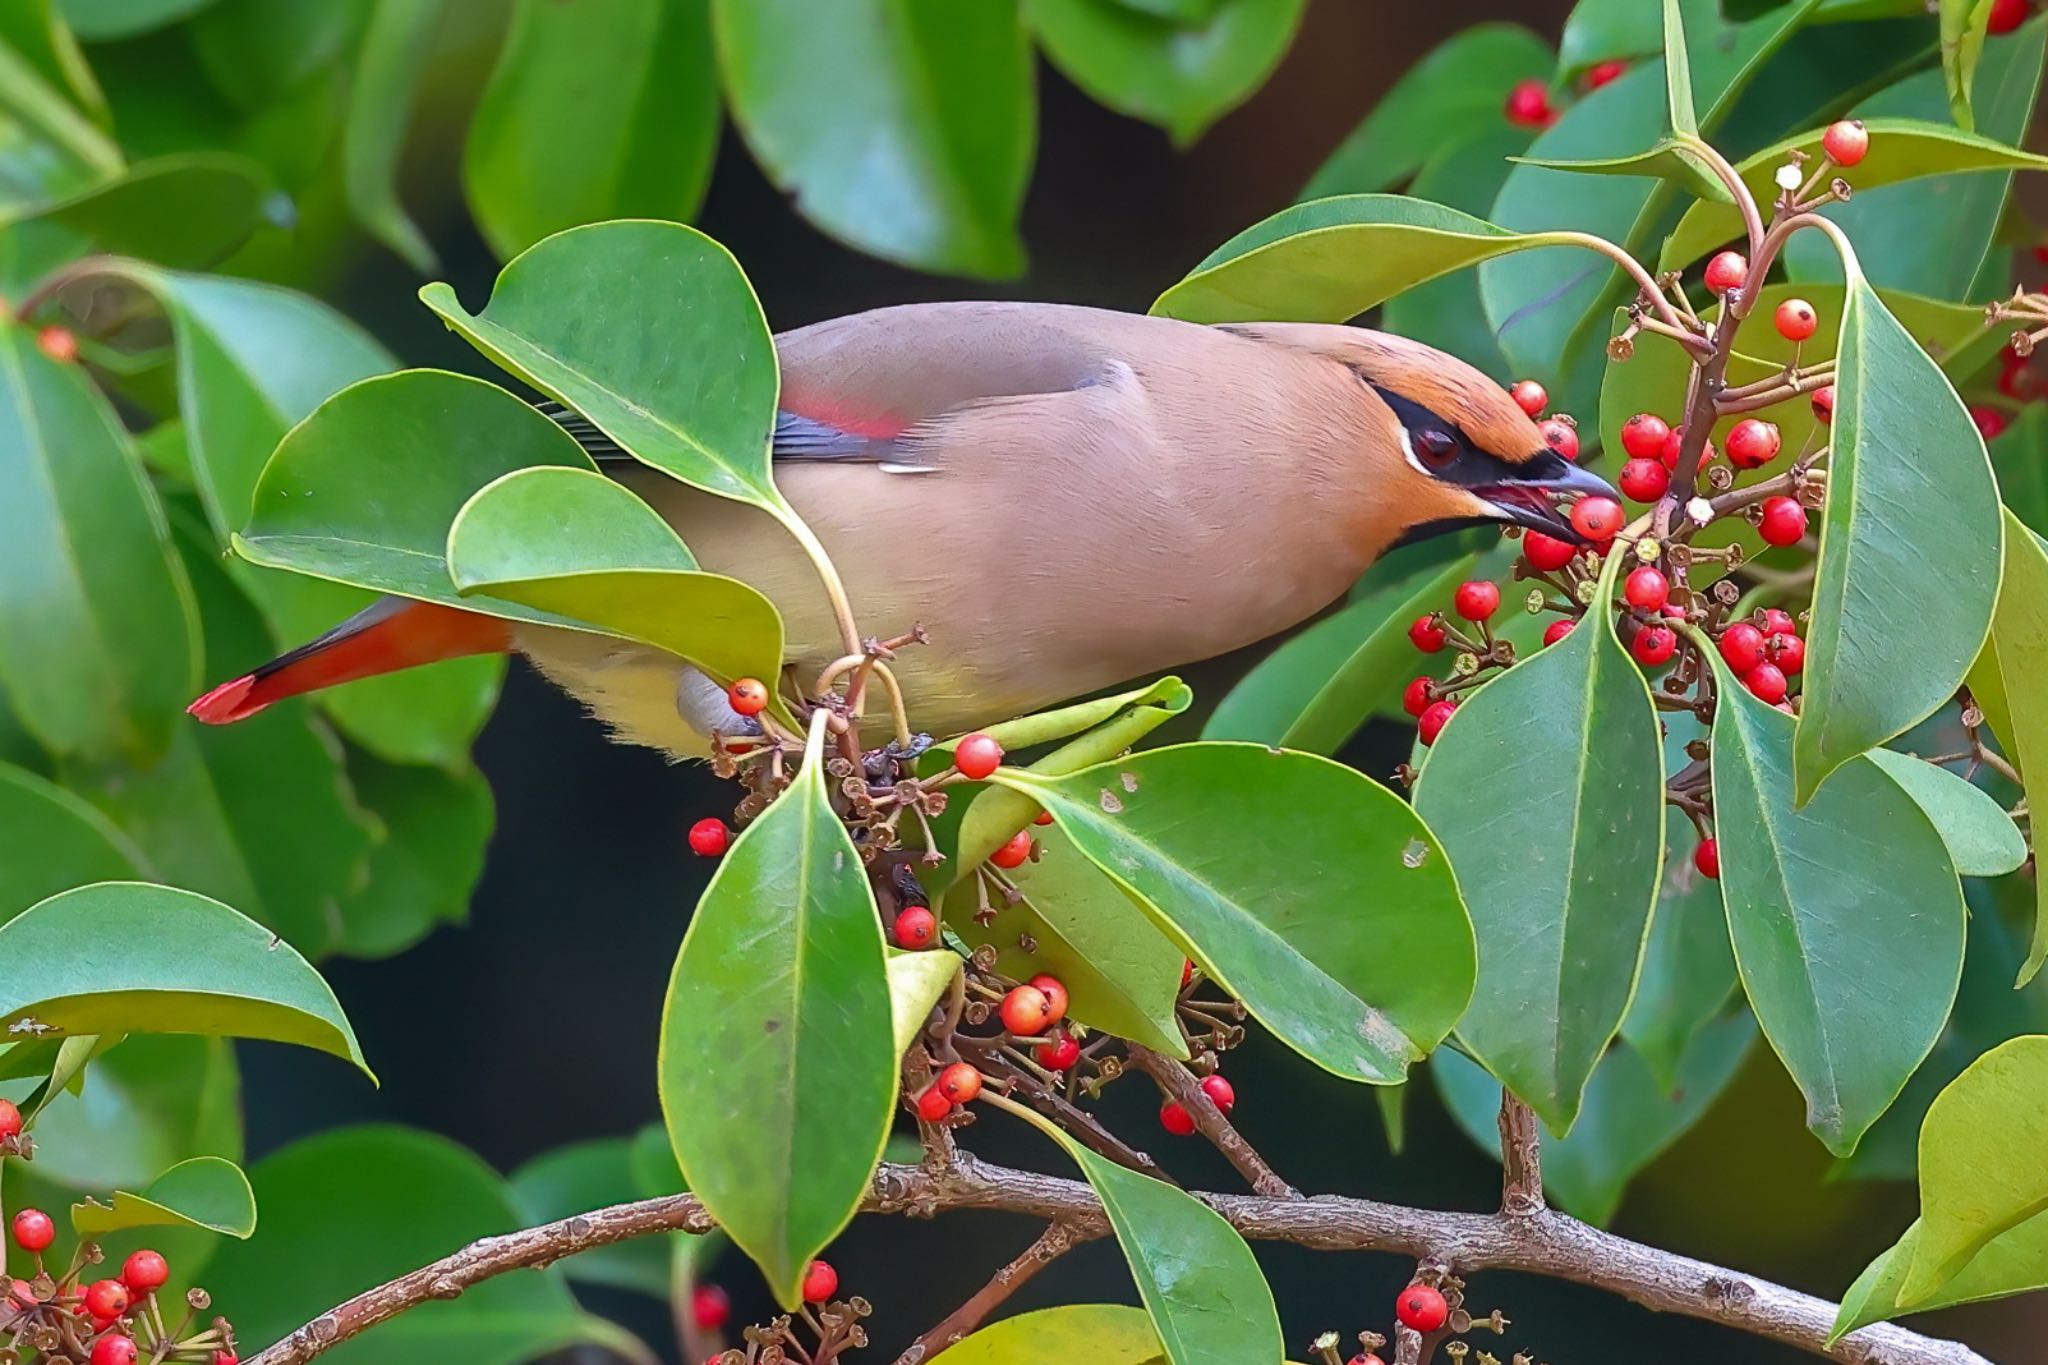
<point x="1058" y="1239"/>
<point x="1181" y="1083"/>
<point x="1521" y="1159"/>
<point x="1545" y="1243"/>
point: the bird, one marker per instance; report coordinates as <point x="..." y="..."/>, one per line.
<point x="1063" y="498"/>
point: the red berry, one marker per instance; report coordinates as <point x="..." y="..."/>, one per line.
<point x="1846" y="141"/>
<point x="1779" y="622"/>
<point x="144" y="1272"/>
<point x="1596" y="77"/>
<point x="1707" y="858"/>
<point x="113" y="1350"/>
<point x="1058" y="1053"/>
<point x="1788" y="652"/>
<point x="1026" y="1012"/>
<point x="916" y="928"/>
<point x="821" y="1282"/>
<point x="933" y="1105"/>
<point x="1742" y="645"/>
<point x="1561" y="436"/>
<point x="226" y="1357"/>
<point x="33" y="1230"/>
<point x="1421" y="1308"/>
<point x="1726" y="272"/>
<point x="1991" y="422"/>
<point x="1654" y="645"/>
<point x="1187" y="972"/>
<point x="1476" y="600"/>
<point x="1644" y="434"/>
<point x="977" y="755"/>
<point x="1784" y="521"/>
<point x="1597" y="518"/>
<point x="1645" y="480"/>
<point x="710" y="1307"/>
<point x="1753" y="443"/>
<point x="1175" y="1119"/>
<point x="2006" y="15"/>
<point x="1415" y="700"/>
<point x="1823" y="401"/>
<point x="58" y="343"/>
<point x="1043" y="817"/>
<point x="1647" y="588"/>
<point x="1547" y="553"/>
<point x="1055" y="993"/>
<point x="1528" y="105"/>
<point x="1766" y="682"/>
<point x="1529" y="396"/>
<point x="709" y="837"/>
<point x="106" y="1299"/>
<point x="1675" y="442"/>
<point x="1013" y="853"/>
<point x="10" y="1120"/>
<point x="1556" y="631"/>
<point x="959" y="1083"/>
<point x="1427" y="634"/>
<point x="1435" y="719"/>
<point x="747" y="696"/>
<point x="1220" y="1092"/>
<point x="1796" y="320"/>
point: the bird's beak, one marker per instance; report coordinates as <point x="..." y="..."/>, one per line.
<point x="1532" y="502"/>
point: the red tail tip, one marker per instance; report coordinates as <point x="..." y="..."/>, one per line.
<point x="227" y="703"/>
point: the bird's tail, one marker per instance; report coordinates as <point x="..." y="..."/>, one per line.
<point x="392" y="633"/>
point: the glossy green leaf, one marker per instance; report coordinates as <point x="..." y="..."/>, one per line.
<point x="582" y="1177"/>
<point x="152" y="1102"/>
<point x="1909" y="547"/>
<point x="204" y="1192"/>
<point x="130" y="957"/>
<point x="378" y="1202"/>
<point x="594" y="111"/>
<point x="101" y="20"/>
<point x="779" y="1008"/>
<point x="1964" y="24"/>
<point x="1688" y="966"/>
<point x="51" y="840"/>
<point x="1603" y="30"/>
<point x="1630" y="1117"/>
<point x="1446" y="312"/>
<point x="1982" y="839"/>
<point x="2014" y="1262"/>
<point x="99" y="646"/>
<point x="1845" y="913"/>
<point x="916" y="981"/>
<point x="1560" y="879"/>
<point x="1673" y="159"/>
<point x="1182" y="76"/>
<point x="1453" y="95"/>
<point x="2010" y="681"/>
<point x="700" y="405"/>
<point x="1195" y="830"/>
<point x="184" y="211"/>
<point x="389" y="65"/>
<point x="901" y="127"/>
<point x="1681" y="118"/>
<point x="1099" y="1333"/>
<point x="437" y="825"/>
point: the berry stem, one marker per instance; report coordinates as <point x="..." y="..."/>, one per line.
<point x="1058" y="1238"/>
<point x="1645" y="281"/>
<point x="1185" y="1087"/>
<point x="1745" y="202"/>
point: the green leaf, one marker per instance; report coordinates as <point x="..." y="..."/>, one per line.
<point x="2010" y="681"/>
<point x="1167" y="694"/>
<point x="1672" y="159"/>
<point x="594" y="111"/>
<point x="1629" y="1118"/>
<point x="437" y="825"/>
<point x="70" y="149"/>
<point x="1682" y="120"/>
<point x="204" y="1192"/>
<point x="1452" y="96"/>
<point x="1601" y="30"/>
<point x="389" y="65"/>
<point x="1446" y="312"/>
<point x="1195" y="830"/>
<point x="129" y="957"/>
<point x="2019" y="457"/>
<point x="2014" y="1262"/>
<point x="1688" y="966"/>
<point x="51" y="840"/>
<point x="1560" y="870"/>
<point x="1964" y="24"/>
<point x="779" y="1008"/>
<point x="1982" y="839"/>
<point x="1909" y="547"/>
<point x="699" y="406"/>
<point x="579" y="1178"/>
<point x="1182" y="76"/>
<point x="1845" y="913"/>
<point x="99" y="644"/>
<point x="259" y="53"/>
<point x="901" y="127"/>
<point x="151" y="1102"/>
<point x="186" y="210"/>
<point x="39" y="35"/>
<point x="378" y="1202"/>
<point x="916" y="981"/>
<point x="97" y="21"/>
<point x="1099" y="1333"/>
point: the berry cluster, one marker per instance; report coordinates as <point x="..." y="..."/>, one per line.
<point x="1529" y="104"/>
<point x="116" y="1320"/>
<point x="835" y="1324"/>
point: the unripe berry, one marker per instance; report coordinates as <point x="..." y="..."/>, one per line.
<point x="1015" y="852"/>
<point x="1528" y="105"/>
<point x="1707" y="858"/>
<point x="1726" y="272"/>
<point x="1529" y="396"/>
<point x="1175" y="1119"/>
<point x="821" y="1282"/>
<point x="1556" y="631"/>
<point x="33" y="1230"/>
<point x="1644" y="480"/>
<point x="106" y="1299"/>
<point x="1597" y="76"/>
<point x="1220" y="1092"/>
<point x="1560" y="436"/>
<point x="1421" y="1308"/>
<point x="1059" y="1053"/>
<point x="1654" y="645"/>
<point x="1026" y="1012"/>
<point x="58" y="343"/>
<point x="1597" y="518"/>
<point x="1846" y="141"/>
<point x="1055" y="993"/>
<point x="1796" y="320"/>
<point x="1788" y="652"/>
<point x="1644" y="434"/>
<point x="1783" y="522"/>
<point x="1547" y="554"/>
<point x="1823" y="401"/>
<point x="10" y="1120"/>
<point x="710" y="1307"/>
<point x="916" y="928"/>
<point x="709" y="837"/>
<point x="113" y="1350"/>
<point x="1778" y="622"/>
<point x="977" y="755"/>
<point x="748" y="696"/>
<point x="1647" y="588"/>
<point x="1476" y="600"/>
<point x="1435" y="719"/>
<point x="1991" y="422"/>
<point x="1742" y="646"/>
<point x="959" y="1083"/>
<point x="1427" y="634"/>
<point x="144" y="1272"/>
<point x="1753" y="443"/>
<point x="1766" y="682"/>
<point x="1415" y="700"/>
<point x="932" y="1105"/>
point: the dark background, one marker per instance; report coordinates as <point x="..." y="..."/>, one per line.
<point x="534" y="1025"/>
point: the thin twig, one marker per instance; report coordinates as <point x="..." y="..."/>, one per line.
<point x="1053" y="1243"/>
<point x="1186" y="1089"/>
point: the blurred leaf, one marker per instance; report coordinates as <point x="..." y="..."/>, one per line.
<point x="74" y="148"/>
<point x="1196" y="829"/>
<point x="779" y="1008"/>
<point x="129" y="957"/>
<point x="437" y="825"/>
<point x="1963" y="27"/>
<point x="1180" y="74"/>
<point x="261" y="52"/>
<point x="155" y="1100"/>
<point x="377" y="1202"/>
<point x="1688" y="966"/>
<point x="388" y="69"/>
<point x="99" y="644"/>
<point x="188" y="210"/>
<point x="51" y="840"/>
<point x="39" y="35"/>
<point x="2009" y="680"/>
<point x="1914" y="522"/>
<point x="578" y="1179"/>
<point x="916" y="981"/>
<point x="1446" y="312"/>
<point x="1099" y="1333"/>
<point x="1845" y="913"/>
<point x="1453" y="96"/>
<point x="2019" y="457"/>
<point x="1560" y="868"/>
<point x="1981" y="837"/>
<point x="901" y="127"/>
<point x="1602" y="30"/>
<point x="204" y="1192"/>
<point x="100" y="20"/>
<point x="594" y="111"/>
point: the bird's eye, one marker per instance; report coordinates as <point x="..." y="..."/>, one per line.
<point x="1435" y="447"/>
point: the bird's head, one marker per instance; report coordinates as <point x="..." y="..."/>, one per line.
<point x="1458" y="450"/>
